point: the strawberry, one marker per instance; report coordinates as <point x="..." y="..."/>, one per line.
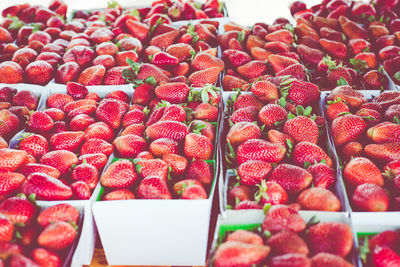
<point x="292" y="259"/>
<point x="143" y="94"/>
<point x="162" y="146"/>
<point x="173" y="92"/>
<point x="46" y="187"/>
<point x="384" y="256"/>
<point x="317" y="198"/>
<point x="292" y="178"/>
<point x="58" y="100"/>
<point x="244" y="236"/>
<point x="96" y="145"/>
<point x="202" y="77"/>
<point x="309" y="152"/>
<point x="271" y="193"/>
<point x="167" y="129"/>
<point x="201" y="171"/>
<point x="150" y="70"/>
<point x="348" y="95"/>
<point x="323" y="259"/>
<point x="235" y="253"/>
<point x="384" y="132"/>
<point x="241" y="132"/>
<point x="385" y="152"/>
<point x="252" y="69"/>
<point x="86" y="173"/>
<point x="120" y="174"/>
<point x="137" y="29"/>
<point x="62" y="160"/>
<point x="174" y="113"/>
<point x="35" y="145"/>
<point x="176" y="162"/>
<point x="297" y="71"/>
<point x="347" y="128"/>
<point x="57" y="236"/>
<point x="111" y="112"/>
<point x="39" y="122"/>
<point x="10" y="181"/>
<point x="180" y="50"/>
<point x="6" y="228"/>
<point x="55" y="114"/>
<point x="81" y="190"/>
<point x="334" y="48"/>
<point x="302" y="129"/>
<point x="60" y="212"/>
<point x="265" y="90"/>
<point x="279" y="138"/>
<point x="163" y="59"/>
<point x="25" y="98"/>
<point x="153" y="187"/>
<point x="3" y="143"/>
<point x="387" y="238"/>
<point x="252" y="172"/>
<point x="301" y="92"/>
<point x="129" y="146"/>
<point x="392" y="111"/>
<point x="76" y="90"/>
<point x="198" y="146"/>
<point x="194" y="191"/>
<point x="282" y="35"/>
<point x="361" y="170"/>
<point x="246" y="114"/>
<point x="164" y="40"/>
<point x="282" y="217"/>
<point x="272" y="114"/>
<point x="386" y="99"/>
<point x="135" y="129"/>
<point x="70" y="141"/>
<point x="330" y="237"/>
<point x="11" y="159"/>
<point x="248" y="205"/>
<point x="206" y="111"/>
<point x="335" y="108"/>
<point x="46" y="257"/>
<point x="92" y="76"/>
<point x="119" y="194"/>
<point x="98" y="160"/>
<point x="280" y="62"/>
<point x="99" y="130"/>
<point x="287" y="242"/>
<point x="20" y="260"/>
<point x="18" y="209"/>
<point x="323" y="175"/>
<point x="370" y="197"/>
<point x="247" y="100"/>
<point x="257" y="149"/>
<point x="235" y="58"/>
<point x="204" y="60"/>
<point x="133" y="116"/>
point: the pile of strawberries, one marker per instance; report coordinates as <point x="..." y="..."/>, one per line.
<point x="366" y="133"/>
<point x="286" y="240"/>
<point x="15" y="107"/>
<point x="381" y="249"/>
<point x="65" y="145"/>
<point x="33" y="236"/>
<point x="38" y="44"/>
<point x="167" y="146"/>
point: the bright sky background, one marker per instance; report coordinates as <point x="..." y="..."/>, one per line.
<point x="245" y="12"/>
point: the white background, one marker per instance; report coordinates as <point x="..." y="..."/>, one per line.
<point x="246" y="12"/>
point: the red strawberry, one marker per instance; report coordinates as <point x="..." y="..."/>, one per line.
<point x="153" y="187"/>
<point x="301" y="92"/>
<point x="201" y="171"/>
<point x="387" y="238"/>
<point x="76" y="90"/>
<point x="164" y="40"/>
<point x="114" y="76"/>
<point x="234" y="253"/>
<point x="334" y="48"/>
<point x="18" y="209"/>
<point x="271" y="193"/>
<point x="57" y="236"/>
<point x="38" y="72"/>
<point x="290" y="260"/>
<point x="244" y="236"/>
<point x="11" y="159"/>
<point x="248" y="205"/>
<point x="98" y="160"/>
<point x="385" y="152"/>
<point x="143" y="94"/>
<point x="331" y="237"/>
<point x="384" y="132"/>
<point x="81" y="190"/>
<point x="96" y="145"/>
<point x="361" y="170"/>
<point x="272" y="114"/>
<point x="252" y="69"/>
<point x="35" y="145"/>
<point x="252" y="172"/>
<point x="334" y="109"/>
<point x="292" y="178"/>
<point x="62" y="160"/>
<point x="302" y="129"/>
<point x="173" y="92"/>
<point x="58" y="100"/>
<point x="12" y="72"/>
<point x="163" y="59"/>
<point x="176" y="162"/>
<point x="17" y="260"/>
<point x="150" y="70"/>
<point x="323" y="259"/>
<point x="99" y="130"/>
<point x="206" y="111"/>
<point x="317" y="198"/>
<point x="39" y="122"/>
<point x="194" y="191"/>
<point x="162" y="146"/>
<point x="70" y="141"/>
<point x="6" y="228"/>
<point x="46" y="187"/>
<point x="58" y="213"/>
<point x="86" y="173"/>
<point x="167" y="129"/>
<point x="35" y="167"/>
<point x="370" y="197"/>
<point x="323" y="175"/>
<point x="135" y="129"/>
<point x="287" y="242"/>
<point x="9" y="182"/>
<point x="111" y="112"/>
<point x="198" y="146"/>
<point x="257" y="149"/>
<point x="247" y="100"/>
<point x="46" y="257"/>
<point x="265" y="90"/>
<point x="137" y="29"/>
<point x="347" y="128"/>
<point x="280" y="63"/>
<point x="204" y="60"/>
<point x="241" y="132"/>
<point x="120" y="174"/>
<point x="119" y="194"/>
<point x="25" y="98"/>
<point x="311" y="153"/>
<point x="129" y="146"/>
<point x="230" y="82"/>
<point x="384" y="256"/>
<point x="247" y="114"/>
<point x="282" y="217"/>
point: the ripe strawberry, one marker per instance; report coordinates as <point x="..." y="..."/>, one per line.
<point x="10" y="181"/>
<point x="240" y="193"/>
<point x="282" y="217"/>
<point x="201" y="171"/>
<point x="244" y="236"/>
<point x="334" y="48"/>
<point x="347" y="128"/>
<point x="387" y="238"/>
<point x="234" y="253"/>
<point x="280" y="62"/>
<point x="12" y="72"/>
<point x="39" y="122"/>
<point x="198" y="146"/>
<point x="25" y="98"/>
<point x="317" y="198"/>
<point x="81" y="190"/>
<point x="135" y="129"/>
<point x="20" y="260"/>
<point x="323" y="175"/>
<point x="326" y="259"/>
<point x="143" y="94"/>
<point x="99" y="130"/>
<point x="6" y="228"/>
<point x="235" y="58"/>
<point x="330" y="237"/>
<point x="241" y="132"/>
<point x="153" y="187"/>
<point x="70" y="141"/>
<point x="386" y="99"/>
<point x="133" y="116"/>
<point x="86" y="173"/>
<point x="301" y="92"/>
<point x="176" y="162"/>
<point x="202" y="77"/>
<point x="57" y="236"/>
<point x="129" y="146"/>
<point x="46" y="257"/>
<point x="204" y="60"/>
<point x="194" y="191"/>
<point x="62" y="160"/>
<point x="35" y="167"/>
<point x="309" y="152"/>
<point x="384" y="132"/>
<point x="119" y="194"/>
<point x="120" y="174"/>
<point x="252" y="69"/>
<point x="46" y="187"/>
<point x="271" y="193"/>
<point x="265" y="90"/>
<point x="163" y="59"/>
<point x="180" y="186"/>
<point x="137" y="29"/>
<point x="248" y="205"/>
<point x="167" y="129"/>
<point x="98" y="160"/>
<point x="111" y="112"/>
<point x="292" y="178"/>
<point x="18" y="209"/>
<point x="334" y="109"/>
<point x="247" y="100"/>
<point x="96" y="145"/>
<point x="180" y="50"/>
<point x="370" y="197"/>
<point x="150" y="70"/>
<point x="206" y="111"/>
<point x="174" y="113"/>
<point x="279" y="138"/>
<point x="246" y="114"/>
<point x="76" y="90"/>
<point x="38" y="72"/>
<point x="291" y="259"/>
<point x="58" y="100"/>
<point x="58" y="213"/>
<point x="272" y="115"/>
<point x="11" y="159"/>
<point x="302" y="129"/>
<point x="55" y="114"/>
<point x="257" y="149"/>
<point x="361" y="170"/>
<point x="230" y="82"/>
<point x="173" y="92"/>
<point x="282" y="35"/>
<point x="252" y="172"/>
<point x="384" y="256"/>
<point x="162" y="146"/>
<point x="287" y="242"/>
<point x="164" y="40"/>
<point x="34" y="144"/>
<point x="385" y="152"/>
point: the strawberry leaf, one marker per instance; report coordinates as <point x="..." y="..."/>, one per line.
<point x="307" y="111"/>
<point x="359" y="64"/>
<point x="135" y="13"/>
<point x="241" y="36"/>
<point x="158" y="22"/>
<point x="151" y="80"/>
<point x="16" y="23"/>
<point x="313" y="221"/>
<point x="363" y="250"/>
<point x="397" y="76"/>
<point x="342" y="81"/>
<point x="396" y="120"/>
<point x="112" y="4"/>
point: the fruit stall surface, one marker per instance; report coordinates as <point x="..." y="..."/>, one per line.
<point x="200" y="133"/>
